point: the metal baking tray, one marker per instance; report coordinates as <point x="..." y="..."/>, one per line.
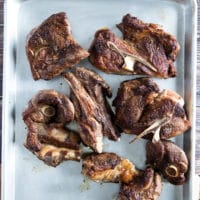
<point x="26" y="177"/>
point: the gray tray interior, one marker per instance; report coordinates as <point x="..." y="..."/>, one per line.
<point x="24" y="176"/>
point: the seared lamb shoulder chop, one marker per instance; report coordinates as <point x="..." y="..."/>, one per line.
<point x="46" y="116"/>
<point x="93" y="114"/>
<point x="150" y="110"/>
<point x="167" y="114"/>
<point x="135" y="184"/>
<point x="107" y="167"/>
<point x="154" y="44"/>
<point x="168" y="159"/>
<point x="51" y="48"/>
<point x="131" y="100"/>
<point x="52" y="145"/>
<point x="113" y="55"/>
<point x="145" y="185"/>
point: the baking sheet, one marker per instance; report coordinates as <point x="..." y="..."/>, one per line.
<point x="26" y="177"/>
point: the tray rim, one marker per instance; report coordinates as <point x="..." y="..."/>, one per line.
<point x="8" y="4"/>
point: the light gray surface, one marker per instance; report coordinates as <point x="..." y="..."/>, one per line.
<point x="27" y="177"/>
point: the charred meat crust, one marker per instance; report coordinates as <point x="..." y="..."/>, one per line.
<point x="131" y="99"/>
<point x="143" y="54"/>
<point x="95" y="163"/>
<point x="90" y="79"/>
<point x="104" y="58"/>
<point x="168" y="159"/>
<point x="164" y="105"/>
<point x="146" y="185"/>
<point x="46" y="116"/>
<point x="71" y="140"/>
<point x="88" y="93"/>
<point x="52" y="145"/>
<point x="51" y="49"/>
<point x="130" y="24"/>
<point x="113" y="55"/>
<point x="53" y="156"/>
<point x="101" y="161"/>
<point x="135" y="184"/>
<point x="61" y="104"/>
<point x="89" y="128"/>
<point x="141" y="99"/>
<point x="107" y="167"/>
<point x="158" y="46"/>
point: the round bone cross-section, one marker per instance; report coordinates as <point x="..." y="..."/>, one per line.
<point x="50" y="107"/>
<point x="46" y="117"/>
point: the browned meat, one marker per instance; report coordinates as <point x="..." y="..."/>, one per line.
<point x="107" y="167"/>
<point x="131" y="100"/>
<point x="51" y="48"/>
<point x="52" y="145"/>
<point x="168" y="159"/>
<point x="113" y="55"/>
<point x="154" y="44"/>
<point x="46" y="116"/>
<point x="88" y="93"/>
<point x="135" y="184"/>
<point x="146" y="185"/>
<point x="141" y="109"/>
<point x="168" y="105"/>
<point x="51" y="107"/>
